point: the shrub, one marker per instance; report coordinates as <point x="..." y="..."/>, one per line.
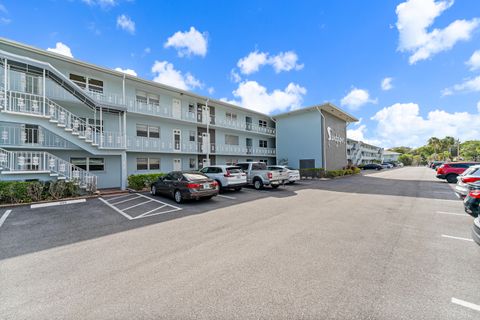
<point x="13" y="191"/>
<point x="35" y="191"/>
<point x="141" y="181"/>
<point x="57" y="189"/>
<point x="312" y="173"/>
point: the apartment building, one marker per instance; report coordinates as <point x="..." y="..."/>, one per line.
<point x="66" y="119"/>
<point x="359" y="152"/>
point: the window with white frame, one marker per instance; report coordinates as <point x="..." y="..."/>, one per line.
<point x="154" y="163"/>
<point x="147" y="131"/>
<point x="191" y="108"/>
<point x="262" y="123"/>
<point x="231" y="140"/>
<point x="262" y="143"/>
<point x="95" y="86"/>
<point x="142" y="163"/>
<point x="153" y="132"/>
<point x="231" y="116"/>
<point x="142" y="130"/>
<point x="141" y="99"/>
<point x="89" y="164"/>
<point x="83" y="82"/>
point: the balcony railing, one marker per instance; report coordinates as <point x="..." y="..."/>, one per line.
<point x="40" y="161"/>
<point x="32" y="137"/>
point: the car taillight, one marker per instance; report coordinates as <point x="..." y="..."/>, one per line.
<point x="269" y="175"/>
<point x="193" y="185"/>
<point x="474" y="194"/>
<point x="214" y="184"/>
<point x="470" y="179"/>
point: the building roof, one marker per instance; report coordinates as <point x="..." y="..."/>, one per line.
<point x="327" y="107"/>
<point x="122" y="74"/>
<point x="386" y="152"/>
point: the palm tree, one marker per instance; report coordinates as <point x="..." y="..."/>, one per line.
<point x="435" y="143"/>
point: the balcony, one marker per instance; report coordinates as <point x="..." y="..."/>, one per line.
<point x="32" y="138"/>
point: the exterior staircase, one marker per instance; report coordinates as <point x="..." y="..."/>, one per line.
<point x="25" y="162"/>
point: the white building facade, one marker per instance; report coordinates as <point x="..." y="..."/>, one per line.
<point x="359" y="152"/>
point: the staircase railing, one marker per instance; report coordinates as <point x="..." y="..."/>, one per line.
<point x="40" y="161"/>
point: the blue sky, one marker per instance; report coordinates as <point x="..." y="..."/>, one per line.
<point x="272" y="56"/>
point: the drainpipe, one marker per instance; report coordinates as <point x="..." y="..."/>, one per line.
<point x="208" y="131"/>
<point x="44" y="93"/>
<point x="324" y="156"/>
<point x="6" y="84"/>
<point x="346" y="142"/>
<point x="276" y="139"/>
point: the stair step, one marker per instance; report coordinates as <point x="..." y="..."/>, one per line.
<point x="68" y="129"/>
<point x="61" y="178"/>
<point x="95" y="144"/>
<point x="89" y="140"/>
<point x="75" y="133"/>
<point x="53" y="121"/>
<point x="61" y="125"/>
<point x="53" y="174"/>
<point x="81" y="137"/>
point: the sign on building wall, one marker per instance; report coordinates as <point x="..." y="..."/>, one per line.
<point x="335" y="131"/>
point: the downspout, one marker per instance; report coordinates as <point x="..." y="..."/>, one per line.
<point x="276" y="139"/>
<point x="346" y="142"/>
<point x="324" y="156"/>
<point x="208" y="131"/>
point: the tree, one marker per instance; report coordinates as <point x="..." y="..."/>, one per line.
<point x="434" y="142"/>
<point x="406" y="159"/>
<point x="470" y="150"/>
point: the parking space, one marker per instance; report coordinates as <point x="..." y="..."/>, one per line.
<point x="136" y="206"/>
<point x="393" y="245"/>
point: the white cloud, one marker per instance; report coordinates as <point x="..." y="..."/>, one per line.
<point x="101" y="3"/>
<point x="252" y="95"/>
<point x="387" y="84"/>
<point x="252" y="62"/>
<point x="474" y="61"/>
<point x="125" y="23"/>
<point x="166" y="73"/>
<point x="234" y="76"/>
<point x="469" y="85"/>
<point x="127" y="71"/>
<point x="211" y="90"/>
<point x="414" y="17"/>
<point x="393" y="121"/>
<point x="284" y="61"/>
<point x="356" y="98"/>
<point x="478" y="106"/>
<point x="358" y="133"/>
<point x="188" y="43"/>
<point x="62" y="49"/>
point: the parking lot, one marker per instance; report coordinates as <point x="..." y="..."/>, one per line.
<point x="393" y="244"/>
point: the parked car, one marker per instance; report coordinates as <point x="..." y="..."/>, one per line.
<point x="293" y="174"/>
<point x="227" y="177"/>
<point x="435" y="164"/>
<point x="476" y="231"/>
<point x="259" y="176"/>
<point x="372" y="166"/>
<point x="450" y="171"/>
<point x="185" y="186"/>
<point x="387" y="165"/>
<point x="469" y="176"/>
<point x="471" y="202"/>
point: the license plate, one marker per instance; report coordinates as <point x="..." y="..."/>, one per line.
<point x="206" y="186"/>
<point x="238" y="177"/>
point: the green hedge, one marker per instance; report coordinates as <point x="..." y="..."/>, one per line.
<point x="141" y="181"/>
<point x="312" y="173"/>
<point x="32" y="191"/>
<point x="322" y="173"/>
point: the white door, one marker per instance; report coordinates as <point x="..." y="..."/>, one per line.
<point x="177" y="164"/>
<point x="177" y="140"/>
<point x="205" y="142"/>
<point x="205" y="114"/>
<point x="177" y="109"/>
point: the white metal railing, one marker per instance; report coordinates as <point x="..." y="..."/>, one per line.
<point x="37" y="105"/>
<point x="40" y="161"/>
<point x="158" y="145"/>
<point x="243" y="150"/>
<point x="32" y="137"/>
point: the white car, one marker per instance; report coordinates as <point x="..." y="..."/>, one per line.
<point x="387" y="165"/>
<point x="228" y="177"/>
<point x="293" y="174"/>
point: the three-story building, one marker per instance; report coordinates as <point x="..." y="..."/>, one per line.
<point x="66" y="119"/>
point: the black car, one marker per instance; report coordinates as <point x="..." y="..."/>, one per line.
<point x="185" y="186"/>
<point x="372" y="166"/>
<point x="472" y="200"/>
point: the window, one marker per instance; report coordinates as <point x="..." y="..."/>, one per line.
<point x="155" y="101"/>
<point x="141" y="99"/>
<point x="142" y="163"/>
<point x="231" y="116"/>
<point x="244" y="166"/>
<point x="191" y="136"/>
<point x="31" y="133"/>
<point x="191" y="108"/>
<point x="262" y="123"/>
<point x="32" y="84"/>
<point x="89" y="164"/>
<point x="153" y="132"/>
<point x="96" y="164"/>
<point x="259" y="166"/>
<point x="79" y="80"/>
<point x="95" y="85"/>
<point x="79" y="162"/>
<point x="142" y="130"/>
<point x="192" y="162"/>
<point x="154" y="163"/>
<point x="262" y="143"/>
<point x="231" y="140"/>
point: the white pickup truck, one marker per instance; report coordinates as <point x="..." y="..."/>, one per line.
<point x="259" y="176"/>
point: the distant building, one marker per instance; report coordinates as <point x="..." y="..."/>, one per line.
<point x="390" y="156"/>
<point x="359" y="152"/>
<point x="313" y="137"/>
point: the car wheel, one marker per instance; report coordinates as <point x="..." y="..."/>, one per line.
<point x="153" y="191"/>
<point x="177" y="196"/>
<point x="258" y="184"/>
<point x="292" y="182"/>
<point x="451" y="178"/>
<point x="238" y="188"/>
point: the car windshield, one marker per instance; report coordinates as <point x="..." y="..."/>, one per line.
<point x="234" y="169"/>
<point x="194" y="176"/>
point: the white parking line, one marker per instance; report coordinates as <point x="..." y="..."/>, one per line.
<point x="457" y="238"/>
<point x="227" y="197"/>
<point x="119" y="197"/>
<point x="4" y="217"/>
<point x="149" y="213"/>
<point x="466" y="304"/>
<point x="115" y="203"/>
<point x="454" y="213"/>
